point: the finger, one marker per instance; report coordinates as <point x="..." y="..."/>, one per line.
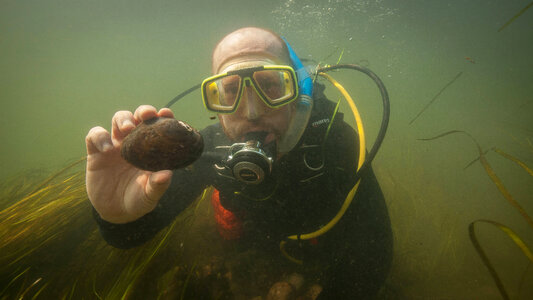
<point x="122" y="124"/>
<point x="158" y="184"/>
<point x="98" y="140"/>
<point x="166" y="113"/>
<point x="145" y="112"/>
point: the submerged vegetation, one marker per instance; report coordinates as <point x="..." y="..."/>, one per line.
<point x="507" y="195"/>
<point x="435" y="97"/>
<point x="50" y="246"/>
<point x="523" y="10"/>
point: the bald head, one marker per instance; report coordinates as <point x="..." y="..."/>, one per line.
<point x="249" y="43"/>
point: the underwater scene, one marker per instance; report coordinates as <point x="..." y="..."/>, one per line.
<point x="455" y="165"/>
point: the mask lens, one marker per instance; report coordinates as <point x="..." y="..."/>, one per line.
<point x="276" y="85"/>
<point x="221" y="94"/>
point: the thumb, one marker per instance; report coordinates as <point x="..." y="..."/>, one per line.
<point x="158" y="184"/>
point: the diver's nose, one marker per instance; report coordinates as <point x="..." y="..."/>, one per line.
<point x="253" y="107"/>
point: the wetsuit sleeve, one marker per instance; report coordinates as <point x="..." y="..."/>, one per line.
<point x="185" y="187"/>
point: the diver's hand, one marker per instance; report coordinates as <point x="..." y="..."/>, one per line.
<point x="120" y="192"/>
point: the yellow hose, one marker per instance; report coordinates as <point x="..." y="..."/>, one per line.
<point x="350" y="196"/>
<point x="356" y="115"/>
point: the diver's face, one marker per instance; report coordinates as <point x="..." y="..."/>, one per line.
<point x="252" y="114"/>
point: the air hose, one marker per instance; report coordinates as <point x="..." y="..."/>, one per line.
<point x="362" y="163"/>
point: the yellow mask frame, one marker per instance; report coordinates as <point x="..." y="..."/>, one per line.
<point x="212" y="89"/>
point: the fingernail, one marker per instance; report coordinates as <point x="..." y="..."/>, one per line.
<point x="127" y="123"/>
<point x="107" y="147"/>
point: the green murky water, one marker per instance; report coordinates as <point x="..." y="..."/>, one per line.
<point x="69" y="65"/>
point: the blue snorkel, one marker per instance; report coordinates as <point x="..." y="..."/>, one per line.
<point x="304" y="105"/>
<point x="305" y="83"/>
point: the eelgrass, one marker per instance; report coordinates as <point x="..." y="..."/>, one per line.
<point x="499" y="184"/>
<point x="50" y="247"/>
<point x="490" y="172"/>
<point x="523" y="10"/>
<point x="435" y="97"/>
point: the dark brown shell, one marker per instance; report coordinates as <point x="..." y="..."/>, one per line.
<point x="162" y="144"/>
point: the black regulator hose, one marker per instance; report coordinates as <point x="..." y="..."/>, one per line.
<point x="386" y="110"/>
<point x="183" y="94"/>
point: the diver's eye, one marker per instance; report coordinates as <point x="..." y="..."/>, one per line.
<point x="232" y="89"/>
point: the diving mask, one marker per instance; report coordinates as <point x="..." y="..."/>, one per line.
<point x="276" y="85"/>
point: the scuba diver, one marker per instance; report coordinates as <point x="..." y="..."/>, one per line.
<point x="283" y="164"/>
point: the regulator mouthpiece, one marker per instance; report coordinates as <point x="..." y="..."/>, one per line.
<point x="248" y="162"/>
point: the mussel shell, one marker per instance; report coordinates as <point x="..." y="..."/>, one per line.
<point x="162" y="144"/>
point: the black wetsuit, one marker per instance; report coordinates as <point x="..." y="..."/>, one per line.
<point x="353" y="257"/>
